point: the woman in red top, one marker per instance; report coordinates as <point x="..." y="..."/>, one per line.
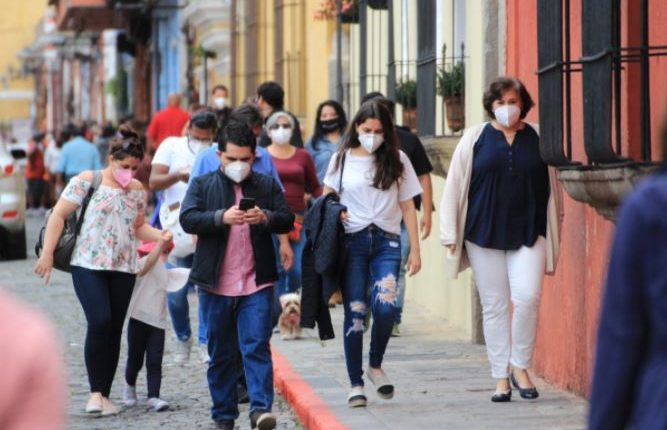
<point x="35" y="174"/>
<point x="297" y="173"/>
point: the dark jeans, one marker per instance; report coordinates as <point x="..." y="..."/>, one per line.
<point x="104" y="297"/>
<point x="144" y="339"/>
<point x="239" y="322"/>
<point x="179" y="309"/>
<point x="371" y="280"/>
<point x="36" y="192"/>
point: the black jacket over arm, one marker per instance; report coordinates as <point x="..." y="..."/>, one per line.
<point x="322" y="263"/>
<point x="206" y="200"/>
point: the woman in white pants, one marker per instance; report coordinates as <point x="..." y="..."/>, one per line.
<point x="498" y="213"/>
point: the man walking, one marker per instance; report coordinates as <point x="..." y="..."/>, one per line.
<point x="170" y="173"/>
<point x="76" y="156"/>
<point x="167" y="123"/>
<point x="233" y="212"/>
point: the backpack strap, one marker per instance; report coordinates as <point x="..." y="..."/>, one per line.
<point x="97" y="180"/>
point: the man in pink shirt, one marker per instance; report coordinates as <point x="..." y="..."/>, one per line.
<point x="169" y="122"/>
<point x="32" y="391"/>
<point x="234" y="211"/>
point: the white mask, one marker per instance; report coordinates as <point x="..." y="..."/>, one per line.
<point x="237" y="171"/>
<point x="371" y="142"/>
<point x="198" y="146"/>
<point x="219" y="102"/>
<point x="507" y="115"/>
<point x="281" y="135"/>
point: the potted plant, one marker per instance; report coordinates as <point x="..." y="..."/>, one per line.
<point x="406" y="96"/>
<point x="451" y="86"/>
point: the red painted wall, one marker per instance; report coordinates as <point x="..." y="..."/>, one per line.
<point x="571" y="299"/>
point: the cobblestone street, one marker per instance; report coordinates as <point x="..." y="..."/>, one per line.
<point x="183" y="386"/>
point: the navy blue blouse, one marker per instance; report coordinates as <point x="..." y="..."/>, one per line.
<point x="509" y="191"/>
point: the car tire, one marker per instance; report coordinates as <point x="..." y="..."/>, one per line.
<point x="16" y="248"/>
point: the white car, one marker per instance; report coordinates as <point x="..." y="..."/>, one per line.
<point x="12" y="204"/>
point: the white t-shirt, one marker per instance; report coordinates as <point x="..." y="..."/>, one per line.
<point x="366" y="204"/>
<point x="175" y="153"/>
<point x="149" y="297"/>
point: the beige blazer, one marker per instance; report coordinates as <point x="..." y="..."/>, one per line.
<point x="454" y="205"/>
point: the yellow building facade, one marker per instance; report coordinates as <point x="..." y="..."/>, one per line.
<point x="17" y="26"/>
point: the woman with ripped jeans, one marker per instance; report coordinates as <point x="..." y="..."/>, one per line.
<point x="376" y="182"/>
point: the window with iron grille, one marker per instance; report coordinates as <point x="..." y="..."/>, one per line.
<point x="613" y="74"/>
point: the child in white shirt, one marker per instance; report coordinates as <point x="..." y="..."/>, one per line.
<point x="146" y="327"/>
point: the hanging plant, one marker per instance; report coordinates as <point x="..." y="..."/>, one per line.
<point x="327" y="11"/>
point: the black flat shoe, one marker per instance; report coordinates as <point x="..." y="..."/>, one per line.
<point x="526" y="393"/>
<point x="502" y="397"/>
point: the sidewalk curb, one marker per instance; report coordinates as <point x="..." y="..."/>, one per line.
<point x="311" y="410"/>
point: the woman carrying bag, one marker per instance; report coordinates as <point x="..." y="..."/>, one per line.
<point x="376" y="182"/>
<point x="104" y="259"/>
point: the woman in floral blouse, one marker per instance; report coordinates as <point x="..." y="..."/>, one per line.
<point x="104" y="260"/>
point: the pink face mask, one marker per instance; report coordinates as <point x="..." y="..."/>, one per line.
<point x="122" y="176"/>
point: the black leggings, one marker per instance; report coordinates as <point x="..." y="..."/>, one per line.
<point x="145" y="339"/>
<point x="104" y="296"/>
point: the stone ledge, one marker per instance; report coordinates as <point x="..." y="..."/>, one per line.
<point x="603" y="187"/>
<point x="440" y="150"/>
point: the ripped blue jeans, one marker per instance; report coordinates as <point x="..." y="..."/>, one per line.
<point x="371" y="282"/>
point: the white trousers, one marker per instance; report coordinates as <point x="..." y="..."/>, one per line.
<point x="502" y="276"/>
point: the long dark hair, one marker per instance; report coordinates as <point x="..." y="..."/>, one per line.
<point x="319" y="132"/>
<point x="388" y="166"/>
<point x="126" y="144"/>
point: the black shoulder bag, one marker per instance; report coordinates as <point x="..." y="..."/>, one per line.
<point x="62" y="255"/>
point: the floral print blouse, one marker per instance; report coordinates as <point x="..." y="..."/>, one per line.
<point x="107" y="240"/>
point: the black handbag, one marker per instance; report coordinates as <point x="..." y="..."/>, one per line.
<point x="62" y="255"/>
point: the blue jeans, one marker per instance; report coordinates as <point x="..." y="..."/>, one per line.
<point x="179" y="309"/>
<point x="405" y="253"/>
<point x="288" y="281"/>
<point x="104" y="296"/>
<point x="371" y="274"/>
<point x="239" y="322"/>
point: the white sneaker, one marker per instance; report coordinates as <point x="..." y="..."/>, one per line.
<point x="357" y="397"/>
<point x="130" y="396"/>
<point x="182" y="354"/>
<point x="202" y="350"/>
<point x="158" y="405"/>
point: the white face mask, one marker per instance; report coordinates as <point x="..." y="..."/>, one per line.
<point x="507" y="115"/>
<point x="281" y="135"/>
<point x="237" y="171"/>
<point x="198" y="146"/>
<point x="219" y="102"/>
<point x="371" y="142"/>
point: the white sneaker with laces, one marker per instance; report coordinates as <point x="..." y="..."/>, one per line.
<point x="203" y="353"/>
<point x="156" y="404"/>
<point x="182" y="354"/>
<point x="130" y="396"/>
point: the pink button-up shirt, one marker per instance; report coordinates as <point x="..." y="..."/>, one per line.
<point x="237" y="274"/>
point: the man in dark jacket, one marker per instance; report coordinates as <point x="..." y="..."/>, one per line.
<point x="233" y="212"/>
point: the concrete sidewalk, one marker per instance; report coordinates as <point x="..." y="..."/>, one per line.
<point x="442" y="382"/>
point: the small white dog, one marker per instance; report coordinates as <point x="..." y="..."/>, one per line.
<point x="290" y="317"/>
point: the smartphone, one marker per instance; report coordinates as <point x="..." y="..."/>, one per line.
<point x="246" y="203"/>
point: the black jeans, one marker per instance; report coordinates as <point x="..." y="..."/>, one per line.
<point x="104" y="296"/>
<point x="145" y="339"/>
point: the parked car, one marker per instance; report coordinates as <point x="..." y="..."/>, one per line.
<point x="12" y="204"/>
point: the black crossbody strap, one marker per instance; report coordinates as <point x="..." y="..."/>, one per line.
<point x="342" y="169"/>
<point x="97" y="180"/>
